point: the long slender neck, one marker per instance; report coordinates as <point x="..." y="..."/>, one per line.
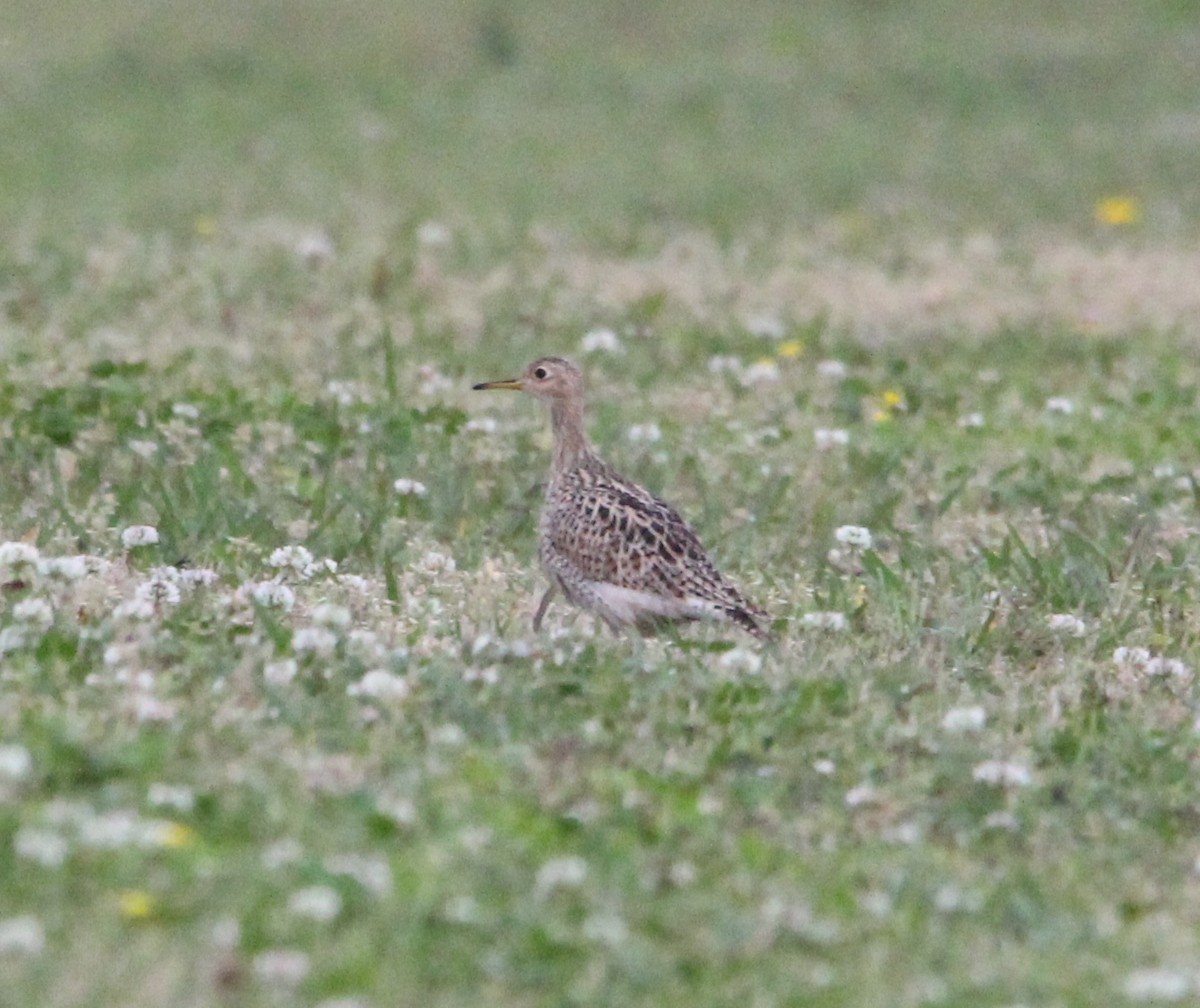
<point x="566" y="423"/>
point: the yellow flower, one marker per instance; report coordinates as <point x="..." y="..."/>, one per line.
<point x="892" y="399"/>
<point x="205" y="226"/>
<point x="1118" y="210"/>
<point x="175" y="835"/>
<point x="790" y="349"/>
<point x="136" y="904"/>
<point x="881" y="416"/>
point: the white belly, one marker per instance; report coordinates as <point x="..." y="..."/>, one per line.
<point x="626" y="606"/>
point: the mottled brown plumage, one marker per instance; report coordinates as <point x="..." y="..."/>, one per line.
<point x="610" y="545"/>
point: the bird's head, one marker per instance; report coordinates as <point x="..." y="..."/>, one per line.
<point x="549" y="378"/>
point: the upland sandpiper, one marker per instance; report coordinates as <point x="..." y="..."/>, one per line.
<point x="610" y="545"/>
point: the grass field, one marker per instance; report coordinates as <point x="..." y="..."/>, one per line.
<point x="274" y="727"/>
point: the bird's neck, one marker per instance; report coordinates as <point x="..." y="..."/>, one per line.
<point x="570" y="443"/>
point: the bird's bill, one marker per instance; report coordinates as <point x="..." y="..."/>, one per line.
<point x="509" y="383"/>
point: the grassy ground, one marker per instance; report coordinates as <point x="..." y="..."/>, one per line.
<point x="873" y="265"/>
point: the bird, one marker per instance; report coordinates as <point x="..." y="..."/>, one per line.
<point x="608" y="544"/>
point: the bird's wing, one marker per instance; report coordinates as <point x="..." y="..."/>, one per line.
<point x="617" y="532"/>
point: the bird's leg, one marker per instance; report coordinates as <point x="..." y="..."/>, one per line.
<point x="542" y="607"/>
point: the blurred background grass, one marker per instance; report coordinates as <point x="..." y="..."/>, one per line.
<point x="601" y="117"/>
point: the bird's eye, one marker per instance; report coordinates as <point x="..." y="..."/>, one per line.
<point x="539" y="373"/>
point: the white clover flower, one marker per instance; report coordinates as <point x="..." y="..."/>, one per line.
<point x="964" y="719"/>
<point x="740" y="660"/>
<point x="605" y="928"/>
<point x="281" y="967"/>
<point x="13" y="638"/>
<point x="142" y="448"/>
<point x="449" y="735"/>
<point x="951" y="898"/>
<point x="149" y="708"/>
<point x="282" y="853"/>
<point x="226" y="933"/>
<point x="1060" y="404"/>
<point x="185" y="411"/>
<point x="1158" y="984"/>
<point x="159" y="591"/>
<point x="143" y="681"/>
<point x="970" y="421"/>
<point x="824" y="620"/>
<point x="601" y="341"/>
<point x="646" y="433"/>
<point x="136" y="610"/>
<point x="15" y="762"/>
<point x="1131" y="657"/>
<point x="682" y="874"/>
<point x="197" y="577"/>
<point x="43" y="847"/>
<point x="854" y="536"/>
<point x="1002" y="773"/>
<point x="482" y="425"/>
<point x="831" y="369"/>
<point x="560" y="873"/>
<point x="765" y="325"/>
<point x="346" y="393"/>
<point x="1067" y="624"/>
<point x="374" y="874"/>
<point x="366" y="643"/>
<point x="110" y="830"/>
<point x="314" y="248"/>
<point x="294" y="558"/>
<point x="280" y="673"/>
<point x="18" y="557"/>
<point x="139" y="535"/>
<point x="314" y="641"/>
<point x="34" y="612"/>
<point x="825" y="767"/>
<point x="165" y="573"/>
<point x="461" y="909"/>
<point x="410" y="487"/>
<point x="906" y="833"/>
<point x="825" y="438"/>
<point x="863" y="794"/>
<point x="379" y="684"/>
<point x="273" y="595"/>
<point x="319" y="903"/>
<point x="490" y="675"/>
<point x="725" y="365"/>
<point x="399" y="810"/>
<point x="433" y="234"/>
<point x="327" y="614"/>
<point x="762" y="372"/>
<point x="1160" y="666"/>
<point x="67" y="568"/>
<point x="434" y="562"/>
<point x="21" y="936"/>
<point x="172" y="796"/>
